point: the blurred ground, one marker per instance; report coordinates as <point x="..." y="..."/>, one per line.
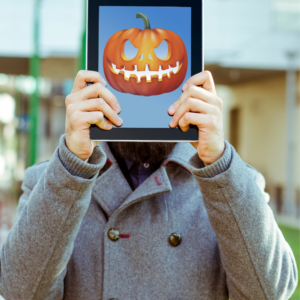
<point x="292" y="236"/>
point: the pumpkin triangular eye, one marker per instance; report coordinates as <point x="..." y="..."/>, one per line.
<point x="162" y="50"/>
<point x="130" y="51"/>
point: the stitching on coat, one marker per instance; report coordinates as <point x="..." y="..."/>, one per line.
<point x="157" y="181"/>
<point x="124" y="236"/>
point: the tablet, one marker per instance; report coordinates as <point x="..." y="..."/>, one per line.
<point x="145" y="51"/>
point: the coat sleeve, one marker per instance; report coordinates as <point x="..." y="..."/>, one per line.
<point x="258" y="262"/>
<point x="35" y="254"/>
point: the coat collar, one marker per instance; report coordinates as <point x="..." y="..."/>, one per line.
<point x="113" y="192"/>
<point x="180" y="155"/>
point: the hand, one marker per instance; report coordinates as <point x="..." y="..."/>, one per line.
<point x="203" y="108"/>
<point x="88" y="105"/>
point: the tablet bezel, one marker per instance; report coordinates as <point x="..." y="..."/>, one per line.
<point x="92" y="60"/>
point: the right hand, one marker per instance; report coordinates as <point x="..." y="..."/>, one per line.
<point x="88" y="105"/>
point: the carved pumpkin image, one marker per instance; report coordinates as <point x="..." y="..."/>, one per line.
<point x="145" y="74"/>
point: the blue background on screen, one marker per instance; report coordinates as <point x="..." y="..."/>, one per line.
<point x="139" y="111"/>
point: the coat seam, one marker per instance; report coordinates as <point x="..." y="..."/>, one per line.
<point x="167" y="208"/>
<point x="55" y="244"/>
<point x="168" y="222"/>
<point x="108" y="286"/>
<point x="245" y="243"/>
<point x="134" y="201"/>
<point x="154" y="193"/>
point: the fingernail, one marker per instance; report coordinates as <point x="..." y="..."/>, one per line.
<point x="172" y="109"/>
<point x="103" y="82"/>
<point x="184" y="87"/>
<point x="108" y="125"/>
<point x="118" y="108"/>
<point x="171" y="123"/>
<point x="119" y="120"/>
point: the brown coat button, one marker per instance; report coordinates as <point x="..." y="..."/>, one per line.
<point x="175" y="239"/>
<point x="113" y="235"/>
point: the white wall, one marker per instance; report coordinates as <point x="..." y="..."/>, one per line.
<point x="262" y="134"/>
<point x="238" y="33"/>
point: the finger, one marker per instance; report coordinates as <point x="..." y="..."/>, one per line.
<point x="95" y="143"/>
<point x="83" y="77"/>
<point x="199" y="120"/>
<point x="192" y="105"/>
<point x="97" y="104"/>
<point x="193" y="91"/>
<point x="86" y="119"/>
<point x="205" y="79"/>
<point x="96" y="90"/>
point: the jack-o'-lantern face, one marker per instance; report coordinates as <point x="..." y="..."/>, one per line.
<point x="155" y="63"/>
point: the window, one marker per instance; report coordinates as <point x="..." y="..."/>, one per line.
<point x="234" y="127"/>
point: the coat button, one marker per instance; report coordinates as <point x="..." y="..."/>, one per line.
<point x="113" y="235"/>
<point x="175" y="239"/>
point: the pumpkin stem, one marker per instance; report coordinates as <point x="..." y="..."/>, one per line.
<point x="145" y="19"/>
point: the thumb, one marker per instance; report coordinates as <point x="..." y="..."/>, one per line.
<point x="205" y="79"/>
<point x="94" y="144"/>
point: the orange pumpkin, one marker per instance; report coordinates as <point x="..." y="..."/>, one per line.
<point x="145" y="74"/>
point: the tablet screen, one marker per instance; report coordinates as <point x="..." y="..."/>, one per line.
<point x="145" y="58"/>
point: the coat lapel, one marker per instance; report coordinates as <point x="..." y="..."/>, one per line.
<point x="111" y="188"/>
<point x="112" y="191"/>
<point x="157" y="183"/>
<point x="180" y="155"/>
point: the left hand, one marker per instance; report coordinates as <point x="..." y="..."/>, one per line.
<point x="203" y="108"/>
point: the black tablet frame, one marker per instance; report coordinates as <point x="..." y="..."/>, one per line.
<point x="92" y="59"/>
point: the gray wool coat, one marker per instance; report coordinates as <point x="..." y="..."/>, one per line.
<point x="59" y="247"/>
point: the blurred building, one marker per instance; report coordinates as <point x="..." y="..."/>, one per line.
<point x="250" y="47"/>
<point x="253" y="50"/>
<point x="61" y="29"/>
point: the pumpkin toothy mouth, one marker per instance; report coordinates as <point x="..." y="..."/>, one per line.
<point x="147" y="73"/>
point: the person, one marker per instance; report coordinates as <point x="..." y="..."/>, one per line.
<point x="145" y="220"/>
